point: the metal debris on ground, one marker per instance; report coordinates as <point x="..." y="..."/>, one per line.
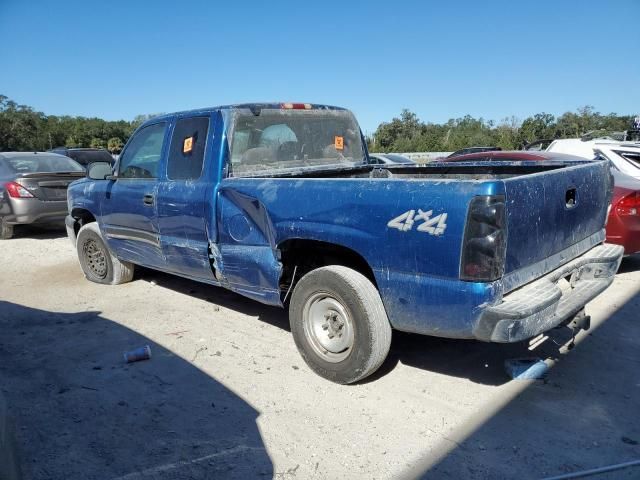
<point x="526" y="368"/>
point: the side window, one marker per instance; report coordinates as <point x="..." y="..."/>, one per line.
<point x="186" y="154"/>
<point x="142" y="156"/>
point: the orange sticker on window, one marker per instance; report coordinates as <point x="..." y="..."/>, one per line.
<point x="187" y="145"/>
<point x="338" y="142"/>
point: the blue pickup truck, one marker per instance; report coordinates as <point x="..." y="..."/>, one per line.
<point x="278" y="203"/>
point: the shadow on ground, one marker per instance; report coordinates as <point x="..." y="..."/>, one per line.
<point x="585" y="415"/>
<point x="39" y="232"/>
<point x="216" y="296"/>
<point x="479" y="362"/>
<point x="630" y="264"/>
<point x="84" y="413"/>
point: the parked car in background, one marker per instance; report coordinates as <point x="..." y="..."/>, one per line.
<point x="85" y="156"/>
<point x="389" y="159"/>
<point x="624" y="156"/>
<point x="500" y="155"/>
<point x="467" y="150"/>
<point x="276" y="202"/>
<point x="33" y="188"/>
<point x="623" y="225"/>
<point x="538" y="145"/>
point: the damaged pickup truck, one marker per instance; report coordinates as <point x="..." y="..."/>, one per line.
<point x="278" y="203"/>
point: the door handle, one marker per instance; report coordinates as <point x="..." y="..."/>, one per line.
<point x="148" y="199"/>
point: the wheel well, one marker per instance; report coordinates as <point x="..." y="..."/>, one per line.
<point x="302" y="256"/>
<point x="82" y="217"/>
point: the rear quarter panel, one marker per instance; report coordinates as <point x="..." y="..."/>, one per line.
<point x="416" y="272"/>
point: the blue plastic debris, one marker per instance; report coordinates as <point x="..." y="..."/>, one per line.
<point x="525" y="368"/>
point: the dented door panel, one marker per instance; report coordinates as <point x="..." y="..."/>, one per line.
<point x="248" y="257"/>
<point x="183" y="201"/>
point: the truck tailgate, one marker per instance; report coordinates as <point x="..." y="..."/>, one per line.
<point x="549" y="212"/>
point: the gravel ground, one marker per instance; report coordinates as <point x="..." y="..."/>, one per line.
<point x="226" y="395"/>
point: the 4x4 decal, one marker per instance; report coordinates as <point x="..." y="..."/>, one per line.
<point x="431" y="225"/>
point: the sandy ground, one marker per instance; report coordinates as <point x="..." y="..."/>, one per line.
<point x="226" y="394"/>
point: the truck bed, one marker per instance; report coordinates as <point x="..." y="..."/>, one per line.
<point x="354" y="207"/>
<point x="436" y="170"/>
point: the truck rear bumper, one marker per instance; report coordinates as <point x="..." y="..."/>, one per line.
<point x="550" y="300"/>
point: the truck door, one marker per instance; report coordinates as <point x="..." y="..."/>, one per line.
<point x="129" y="211"/>
<point x="182" y="198"/>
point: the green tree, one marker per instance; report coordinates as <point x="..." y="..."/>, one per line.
<point x="114" y="145"/>
<point x="22" y="128"/>
<point x="506" y="133"/>
<point x="539" y="127"/>
<point x="96" y="143"/>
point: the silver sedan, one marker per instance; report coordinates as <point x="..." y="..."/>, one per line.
<point x="33" y="188"/>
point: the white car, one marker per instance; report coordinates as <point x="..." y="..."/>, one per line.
<point x="624" y="156"/>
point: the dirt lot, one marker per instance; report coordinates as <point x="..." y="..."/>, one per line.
<point x="226" y="394"/>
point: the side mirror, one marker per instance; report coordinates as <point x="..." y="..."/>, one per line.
<point x="99" y="171"/>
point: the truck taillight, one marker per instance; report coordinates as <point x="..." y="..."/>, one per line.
<point x="296" y="106"/>
<point x="629" y="204"/>
<point x="16" y="190"/>
<point x="484" y="245"/>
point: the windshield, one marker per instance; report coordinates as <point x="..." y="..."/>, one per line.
<point x="43" y="164"/>
<point x="277" y="140"/>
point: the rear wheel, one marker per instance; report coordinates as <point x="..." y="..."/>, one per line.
<point x="6" y="230"/>
<point x="96" y="260"/>
<point x="339" y="324"/>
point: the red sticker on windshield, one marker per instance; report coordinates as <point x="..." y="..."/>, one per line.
<point x="338" y="142"/>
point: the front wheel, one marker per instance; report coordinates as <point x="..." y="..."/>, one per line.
<point x="96" y="260"/>
<point x="339" y="324"/>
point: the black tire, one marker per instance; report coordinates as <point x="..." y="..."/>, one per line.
<point x="96" y="260"/>
<point x="339" y="301"/>
<point x="6" y="230"/>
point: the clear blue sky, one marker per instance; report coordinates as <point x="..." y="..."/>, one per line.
<point x="444" y="59"/>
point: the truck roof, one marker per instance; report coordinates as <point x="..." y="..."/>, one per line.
<point x="250" y="106"/>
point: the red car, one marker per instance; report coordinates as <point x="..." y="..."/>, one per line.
<point x="623" y="223"/>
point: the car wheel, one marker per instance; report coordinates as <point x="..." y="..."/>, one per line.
<point x="96" y="260"/>
<point x="339" y="324"/>
<point x="6" y="230"/>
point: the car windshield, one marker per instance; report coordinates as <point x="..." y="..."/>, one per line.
<point x="280" y="140"/>
<point x="43" y="164"/>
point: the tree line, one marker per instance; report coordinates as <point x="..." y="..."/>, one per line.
<point x="408" y="133"/>
<point x="24" y="129"/>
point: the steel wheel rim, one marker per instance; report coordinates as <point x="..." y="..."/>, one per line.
<point x="328" y="327"/>
<point x="96" y="258"/>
